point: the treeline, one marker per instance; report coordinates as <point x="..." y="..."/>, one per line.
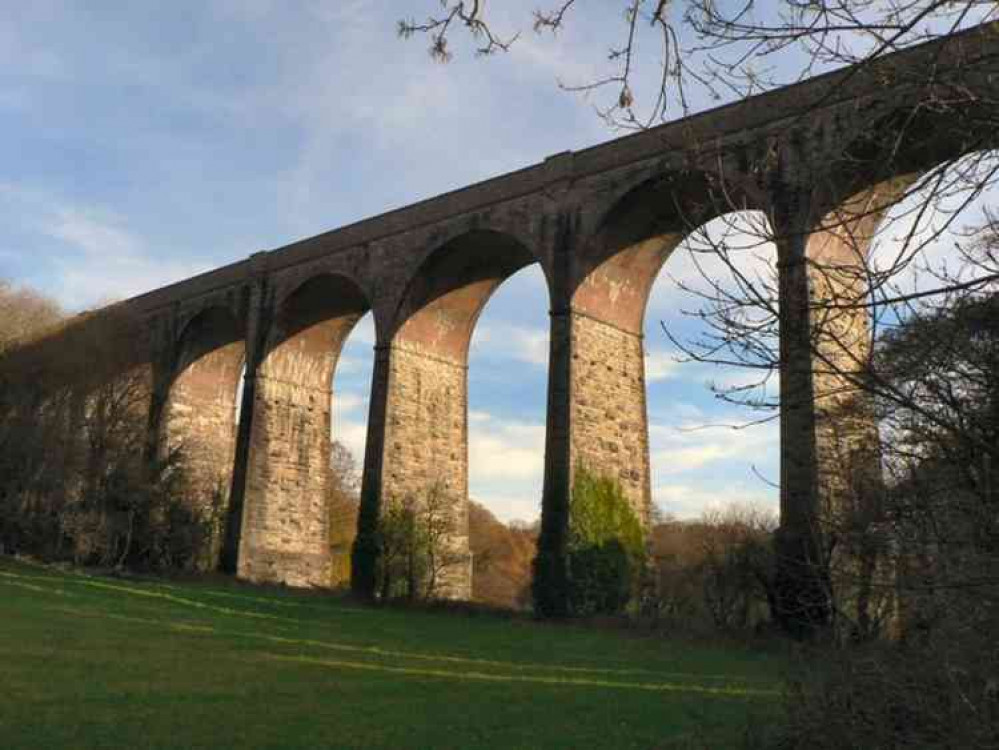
<point x="695" y="577"/>
<point x="502" y="555"/>
<point x="704" y="576"/>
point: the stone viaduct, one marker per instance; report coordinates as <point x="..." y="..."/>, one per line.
<point x="822" y="159"/>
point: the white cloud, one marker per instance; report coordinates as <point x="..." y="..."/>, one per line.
<point x="747" y="383"/>
<point x="364" y="332"/>
<point x="350" y="365"/>
<point x="349" y="402"/>
<point x="352" y="434"/>
<point x="528" y="345"/>
<point x="680" y="460"/>
<point x="506" y="450"/>
<point x="556" y="58"/>
<point x="687" y="501"/>
<point x="506" y="466"/>
<point x="690" y="445"/>
<point x="410" y="115"/>
<point x="743" y="235"/>
<point x="507" y="507"/>
<point x="660" y="366"/>
<point x="94" y="234"/>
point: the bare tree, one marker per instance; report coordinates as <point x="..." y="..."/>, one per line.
<point x="343" y="505"/>
<point x="418" y="535"/>
<point x="666" y="58"/>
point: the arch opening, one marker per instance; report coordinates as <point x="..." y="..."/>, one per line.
<point x="507" y="407"/>
<point x="616" y="269"/>
<point x="699" y="464"/>
<point x="350" y="403"/>
<point x="442" y="304"/>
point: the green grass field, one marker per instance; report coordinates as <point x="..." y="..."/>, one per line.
<point x="92" y="662"/>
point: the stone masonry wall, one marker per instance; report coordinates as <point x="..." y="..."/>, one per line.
<point x="608" y="421"/>
<point x="426" y="444"/>
<point x="285" y="527"/>
<point x="847" y="450"/>
<point x="846" y="433"/>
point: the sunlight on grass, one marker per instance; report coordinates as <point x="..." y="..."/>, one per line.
<point x="662" y="687"/>
<point x="136" y="591"/>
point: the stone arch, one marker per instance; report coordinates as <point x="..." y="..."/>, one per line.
<point x="618" y="263"/>
<point x="425" y="428"/>
<point x="285" y="519"/>
<point x="204" y="331"/>
<point x="310" y="324"/>
<point x="873" y="169"/>
<point x="200" y="410"/>
<point x="611" y="283"/>
<point x="884" y="200"/>
<point x="449" y="289"/>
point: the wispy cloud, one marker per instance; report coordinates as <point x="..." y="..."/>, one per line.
<point x="353" y="434"/>
<point x="511" y="507"/>
<point x="92" y="255"/>
<point x="349" y="402"/>
<point x="506" y="450"/>
<point x="301" y="117"/>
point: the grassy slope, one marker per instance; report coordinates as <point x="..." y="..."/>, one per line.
<point x="89" y="662"/>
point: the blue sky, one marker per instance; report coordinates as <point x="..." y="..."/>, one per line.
<point x="143" y="142"/>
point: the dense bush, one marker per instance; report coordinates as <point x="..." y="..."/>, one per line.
<point x="936" y="685"/>
<point x="881" y="696"/>
<point x="606" y="555"/>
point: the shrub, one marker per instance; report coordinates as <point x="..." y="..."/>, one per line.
<point x="606" y="554"/>
<point x="881" y="696"/>
<point x="415" y="535"/>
